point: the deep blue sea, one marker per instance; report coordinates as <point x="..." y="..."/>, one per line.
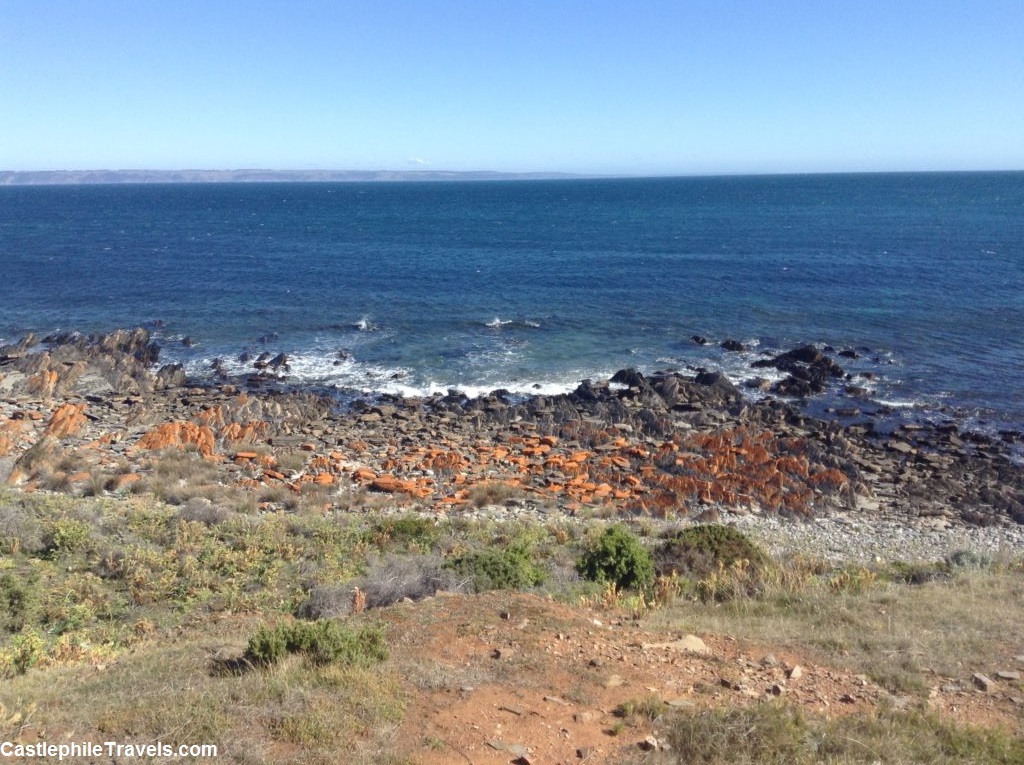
<point x="536" y="285"/>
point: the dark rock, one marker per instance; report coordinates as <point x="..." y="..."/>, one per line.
<point x="806" y="354"/>
<point x="630" y="377"/>
<point x="720" y="385"/>
<point x="732" y="345"/>
<point x="698" y="340"/>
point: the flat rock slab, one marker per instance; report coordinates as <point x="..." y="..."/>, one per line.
<point x="688" y="644"/>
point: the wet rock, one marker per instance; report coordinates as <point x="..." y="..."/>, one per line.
<point x="733" y="346"/>
<point x="629" y="377"/>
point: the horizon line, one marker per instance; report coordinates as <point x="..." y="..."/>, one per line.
<point x="100" y="176"/>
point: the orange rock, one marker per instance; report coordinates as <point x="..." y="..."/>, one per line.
<point x="66" y="420"/>
<point x="579" y="456"/>
<point x="391" y="485"/>
<point x="42" y="383"/>
<point x="78" y="477"/>
<point x="251" y="432"/>
<point x="324" y="479"/>
<point x="125" y="479"/>
<point x="549" y="440"/>
<point x="273" y="474"/>
<point x="320" y="464"/>
<point x="178" y="435"/>
<point x="245" y="456"/>
<point x="363" y="475"/>
<point x="212" y="416"/>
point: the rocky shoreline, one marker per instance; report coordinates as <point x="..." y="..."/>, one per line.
<point x="95" y="413"/>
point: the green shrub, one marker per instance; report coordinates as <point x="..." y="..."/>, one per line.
<point x="323" y="642"/>
<point x="20" y="600"/>
<point x="68" y="536"/>
<point x="27" y="649"/>
<point x="511" y="568"/>
<point x="268" y="645"/>
<point x="618" y="557"/>
<point x="700" y="551"/>
<point x="411" y="533"/>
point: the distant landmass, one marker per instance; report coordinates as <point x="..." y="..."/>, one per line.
<point x="57" y="177"/>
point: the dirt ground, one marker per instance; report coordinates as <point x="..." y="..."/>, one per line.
<point x="512" y="677"/>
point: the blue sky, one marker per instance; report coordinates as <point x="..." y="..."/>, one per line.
<point x="684" y="87"/>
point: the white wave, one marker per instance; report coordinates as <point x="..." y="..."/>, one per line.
<point x="497" y="323"/>
<point x="895" y="403"/>
<point x="364" y="325"/>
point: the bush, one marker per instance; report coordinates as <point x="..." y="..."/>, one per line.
<point x="395" y="578"/>
<point x="68" y="536"/>
<point x="389" y="580"/>
<point x="19" y="531"/>
<point x="323" y="642"/>
<point x="700" y="551"/>
<point x="619" y="558"/>
<point x="509" y="569"/>
<point x="20" y="600"/>
<point x="27" y="650"/>
<point x="408" y="533"/>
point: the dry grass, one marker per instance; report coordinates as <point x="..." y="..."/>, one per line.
<point x="779" y="734"/>
<point x="904" y="637"/>
<point x="167" y="691"/>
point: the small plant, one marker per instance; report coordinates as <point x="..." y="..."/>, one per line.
<point x="701" y="550"/>
<point x="19" y="531"/>
<point x="649" y="708"/>
<point x="511" y="568"/>
<point x="408" y="533"/>
<point x="618" y="557"/>
<point x="20" y="600"/>
<point x="26" y="651"/>
<point x="68" y="536"/>
<point x="854" y="580"/>
<point x="728" y="583"/>
<point x="323" y="642"/>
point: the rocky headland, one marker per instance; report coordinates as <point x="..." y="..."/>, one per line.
<point x="95" y="413"/>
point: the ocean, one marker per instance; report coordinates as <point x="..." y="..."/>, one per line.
<point x="533" y="286"/>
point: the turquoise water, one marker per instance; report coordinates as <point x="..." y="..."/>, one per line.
<point x="536" y="285"/>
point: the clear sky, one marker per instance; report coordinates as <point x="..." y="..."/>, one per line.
<point x="640" y="88"/>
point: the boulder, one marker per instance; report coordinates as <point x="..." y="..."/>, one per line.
<point x="630" y="377"/>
